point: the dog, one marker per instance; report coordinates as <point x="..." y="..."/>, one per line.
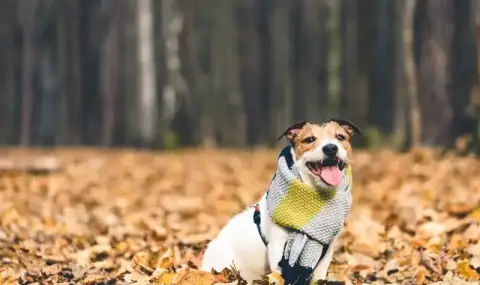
<point x="251" y="241"/>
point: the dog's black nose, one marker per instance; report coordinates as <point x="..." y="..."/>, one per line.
<point x="330" y="149"/>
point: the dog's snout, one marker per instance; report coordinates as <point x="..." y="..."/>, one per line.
<point x="330" y="149"/>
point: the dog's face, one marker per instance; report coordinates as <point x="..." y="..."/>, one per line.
<point x="322" y="151"/>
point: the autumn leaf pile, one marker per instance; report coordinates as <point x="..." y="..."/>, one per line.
<point x="131" y="217"/>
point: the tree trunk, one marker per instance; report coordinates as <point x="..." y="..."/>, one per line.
<point x="474" y="107"/>
<point x="310" y="61"/>
<point x="381" y="100"/>
<point x="27" y="19"/>
<point x="92" y="39"/>
<point x="62" y="130"/>
<point x="190" y="44"/>
<point x="47" y="124"/>
<point x="353" y="106"/>
<point x="400" y="91"/>
<point x="110" y="76"/>
<point x="74" y="73"/>
<point x="225" y="75"/>
<point x="175" y="88"/>
<point x="147" y="113"/>
<point x="8" y="65"/>
<point x="202" y="81"/>
<point x="251" y="72"/>
<point x="349" y="108"/>
<point x="280" y="95"/>
<point x="463" y="70"/>
<point x="366" y="28"/>
<point x="434" y="19"/>
<point x="127" y="124"/>
<point x="335" y="55"/>
<point x="413" y="127"/>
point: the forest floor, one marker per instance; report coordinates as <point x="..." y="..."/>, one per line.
<point x="79" y="216"/>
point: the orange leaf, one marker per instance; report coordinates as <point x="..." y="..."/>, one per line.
<point x="421" y="275"/>
<point x="465" y="271"/>
<point x="475" y="215"/>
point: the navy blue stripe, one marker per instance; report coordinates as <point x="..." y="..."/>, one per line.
<point x="324" y="250"/>
<point x="287" y="155"/>
<point x="257" y="221"/>
<point x="297" y="274"/>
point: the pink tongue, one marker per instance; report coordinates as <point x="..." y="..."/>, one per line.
<point x="331" y="174"/>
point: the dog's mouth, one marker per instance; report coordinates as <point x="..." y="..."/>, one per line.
<point x="329" y="170"/>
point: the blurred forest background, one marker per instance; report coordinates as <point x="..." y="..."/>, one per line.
<point x="236" y="73"/>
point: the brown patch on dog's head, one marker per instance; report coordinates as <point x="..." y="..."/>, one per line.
<point x="304" y="136"/>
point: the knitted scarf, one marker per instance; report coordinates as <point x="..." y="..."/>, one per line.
<point x="312" y="217"/>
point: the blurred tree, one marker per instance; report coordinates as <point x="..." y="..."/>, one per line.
<point x="190" y="45"/>
<point x="147" y="112"/>
<point x="62" y="132"/>
<point x="110" y="76"/>
<point x="366" y="32"/>
<point x="334" y="62"/>
<point x="201" y="103"/>
<point x="280" y="89"/>
<point x="400" y="91"/>
<point x="381" y="100"/>
<point x="73" y="73"/>
<point x="93" y="27"/>
<point x="434" y="25"/>
<point x="27" y="17"/>
<point x="48" y="77"/>
<point x="175" y="87"/>
<point x="250" y="40"/>
<point x="8" y="68"/>
<point x="413" y="125"/>
<point x="230" y="118"/>
<point x="310" y="43"/>
<point x="463" y="70"/>
<point x="127" y="104"/>
<point x="353" y="105"/>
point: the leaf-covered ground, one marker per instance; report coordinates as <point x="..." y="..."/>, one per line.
<point x="119" y="217"/>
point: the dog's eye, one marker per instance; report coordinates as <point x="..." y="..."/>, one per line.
<point x="340" y="137"/>
<point x="309" y="140"/>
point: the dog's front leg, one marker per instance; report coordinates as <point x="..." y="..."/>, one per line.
<point x="320" y="272"/>
<point x="276" y="245"/>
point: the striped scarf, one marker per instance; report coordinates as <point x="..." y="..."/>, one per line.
<point x="312" y="217"/>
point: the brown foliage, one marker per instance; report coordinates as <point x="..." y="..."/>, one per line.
<point x="115" y="217"/>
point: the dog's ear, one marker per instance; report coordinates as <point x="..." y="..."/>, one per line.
<point x="292" y="131"/>
<point x="349" y="126"/>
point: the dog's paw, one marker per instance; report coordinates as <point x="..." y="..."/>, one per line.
<point x="275" y="278"/>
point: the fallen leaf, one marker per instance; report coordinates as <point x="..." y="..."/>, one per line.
<point x="465" y="271"/>
<point x="475" y="215"/>
<point x="421" y="275"/>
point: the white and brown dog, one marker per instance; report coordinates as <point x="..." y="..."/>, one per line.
<point x="243" y="241"/>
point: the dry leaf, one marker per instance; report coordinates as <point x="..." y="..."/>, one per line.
<point x="421" y="275"/>
<point x="465" y="271"/>
<point x="193" y="276"/>
<point x="475" y="215"/>
<point x="163" y="276"/>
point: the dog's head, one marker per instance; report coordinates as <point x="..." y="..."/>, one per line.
<point x="322" y="151"/>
